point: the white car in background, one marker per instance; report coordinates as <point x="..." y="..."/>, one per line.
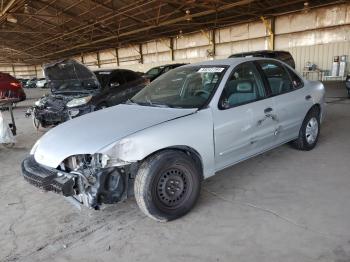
<point x="41" y="83"/>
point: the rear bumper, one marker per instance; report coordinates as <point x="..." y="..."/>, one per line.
<point x="46" y="178"/>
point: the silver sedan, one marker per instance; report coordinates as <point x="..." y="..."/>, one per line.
<point x="185" y="126"/>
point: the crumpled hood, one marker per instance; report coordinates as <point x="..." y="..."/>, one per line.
<point x="91" y="132"/>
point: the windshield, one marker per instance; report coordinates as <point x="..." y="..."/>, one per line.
<point x="183" y="87"/>
<point x="154" y="71"/>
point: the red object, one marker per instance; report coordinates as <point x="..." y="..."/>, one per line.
<point x="10" y="87"/>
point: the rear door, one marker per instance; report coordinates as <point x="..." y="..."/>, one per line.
<point x="241" y="128"/>
<point x="291" y="103"/>
<point x="134" y="83"/>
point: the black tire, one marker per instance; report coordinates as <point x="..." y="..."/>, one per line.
<point x="101" y="106"/>
<point x="167" y="185"/>
<point x="304" y="141"/>
<point x="349" y="93"/>
<point x="37" y="124"/>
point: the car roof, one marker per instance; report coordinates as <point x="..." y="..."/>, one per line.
<point x="263" y="52"/>
<point x="230" y="61"/>
<point x="177" y="64"/>
<point x="6" y="76"/>
<point x="110" y="70"/>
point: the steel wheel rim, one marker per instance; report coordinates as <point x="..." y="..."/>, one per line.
<point x="172" y="187"/>
<point x="311" y="132"/>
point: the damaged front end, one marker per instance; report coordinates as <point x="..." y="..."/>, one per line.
<point x="72" y="86"/>
<point x="84" y="178"/>
<point x="51" y="110"/>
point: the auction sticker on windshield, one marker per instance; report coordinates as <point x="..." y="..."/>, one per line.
<point x="211" y="70"/>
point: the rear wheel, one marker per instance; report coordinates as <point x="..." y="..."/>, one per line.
<point x="309" y="131"/>
<point x="167" y="185"/>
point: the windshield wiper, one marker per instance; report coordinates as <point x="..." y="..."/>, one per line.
<point x="130" y="101"/>
<point x="149" y="101"/>
<point x="160" y="105"/>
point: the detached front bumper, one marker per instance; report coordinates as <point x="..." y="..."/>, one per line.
<point x="110" y="185"/>
<point x="46" y="178"/>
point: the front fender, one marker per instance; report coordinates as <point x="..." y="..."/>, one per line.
<point x="194" y="131"/>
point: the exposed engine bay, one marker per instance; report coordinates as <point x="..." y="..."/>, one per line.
<point x="51" y="110"/>
<point x="83" y="178"/>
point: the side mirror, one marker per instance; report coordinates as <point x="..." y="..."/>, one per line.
<point x="114" y="84"/>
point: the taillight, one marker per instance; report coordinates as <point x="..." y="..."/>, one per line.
<point x="14" y="84"/>
<point x="147" y="81"/>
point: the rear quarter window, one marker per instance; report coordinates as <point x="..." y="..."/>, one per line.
<point x="297" y="82"/>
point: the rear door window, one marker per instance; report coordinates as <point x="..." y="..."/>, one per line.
<point x="277" y="77"/>
<point x="116" y="79"/>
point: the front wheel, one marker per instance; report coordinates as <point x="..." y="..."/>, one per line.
<point x="167" y="185"/>
<point x="101" y="106"/>
<point x="309" y="131"/>
<point x="37" y="124"/>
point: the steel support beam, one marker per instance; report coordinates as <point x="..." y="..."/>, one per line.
<point x="7" y="7"/>
<point x="141" y="54"/>
<point x="117" y="56"/>
<point x="98" y="59"/>
<point x="270" y="29"/>
<point x="13" y="71"/>
<point x="213" y="42"/>
<point x="172" y="53"/>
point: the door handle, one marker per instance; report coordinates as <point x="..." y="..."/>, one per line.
<point x="268" y="110"/>
<point x="308" y="97"/>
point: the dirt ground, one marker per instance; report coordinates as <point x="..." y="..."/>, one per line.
<point x="284" y="205"/>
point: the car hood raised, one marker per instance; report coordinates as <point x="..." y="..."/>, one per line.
<point x="68" y="75"/>
<point x="91" y="132"/>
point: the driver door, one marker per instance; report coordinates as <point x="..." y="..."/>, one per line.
<point x="241" y="128"/>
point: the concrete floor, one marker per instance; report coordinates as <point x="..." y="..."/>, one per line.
<point x="284" y="205"/>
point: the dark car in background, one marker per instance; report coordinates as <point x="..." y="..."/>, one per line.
<point x="283" y="56"/>
<point x="155" y="72"/>
<point x="347" y="85"/>
<point x="31" y="83"/>
<point x="23" y="81"/>
<point x="10" y="87"/>
<point x="75" y="91"/>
